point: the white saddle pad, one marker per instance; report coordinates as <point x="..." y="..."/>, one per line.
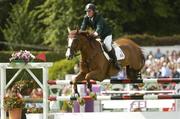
<point x="119" y="53"/>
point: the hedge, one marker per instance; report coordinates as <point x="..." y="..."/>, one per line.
<point x="151" y="40"/>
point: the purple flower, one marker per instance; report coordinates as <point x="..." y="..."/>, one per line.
<point x="25" y="56"/>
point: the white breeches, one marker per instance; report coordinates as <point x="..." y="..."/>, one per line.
<point x="108" y="42"/>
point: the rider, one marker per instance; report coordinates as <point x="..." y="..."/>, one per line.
<point x="96" y="22"/>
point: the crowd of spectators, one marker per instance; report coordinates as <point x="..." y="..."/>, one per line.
<point x="162" y="65"/>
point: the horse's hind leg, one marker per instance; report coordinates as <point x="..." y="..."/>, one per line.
<point x="131" y="73"/>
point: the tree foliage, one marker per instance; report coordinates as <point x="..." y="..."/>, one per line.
<point x="46" y="21"/>
<point x="21" y="26"/>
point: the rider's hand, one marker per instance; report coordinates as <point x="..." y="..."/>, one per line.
<point x="93" y="35"/>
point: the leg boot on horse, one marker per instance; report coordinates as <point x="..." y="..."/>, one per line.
<point x="89" y="87"/>
<point x="90" y="92"/>
<point x="112" y="55"/>
<point x="76" y="93"/>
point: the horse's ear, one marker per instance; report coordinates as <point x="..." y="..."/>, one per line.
<point x="69" y="30"/>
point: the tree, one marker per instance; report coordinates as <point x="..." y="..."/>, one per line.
<point x="21" y="27"/>
<point x="55" y="16"/>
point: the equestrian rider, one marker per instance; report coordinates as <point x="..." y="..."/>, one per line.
<point x="96" y="22"/>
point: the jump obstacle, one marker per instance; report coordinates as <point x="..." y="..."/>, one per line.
<point x="44" y="86"/>
<point x="127" y="115"/>
<point x="127" y="97"/>
<point x="123" y="81"/>
<point x="116" y="81"/>
<point x="139" y="92"/>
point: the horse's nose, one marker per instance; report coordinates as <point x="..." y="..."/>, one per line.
<point x="69" y="55"/>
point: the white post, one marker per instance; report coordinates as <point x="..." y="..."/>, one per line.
<point x="45" y="93"/>
<point x="3" y="90"/>
<point x="177" y="101"/>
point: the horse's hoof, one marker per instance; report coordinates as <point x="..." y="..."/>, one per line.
<point x="93" y="95"/>
<point x="81" y="101"/>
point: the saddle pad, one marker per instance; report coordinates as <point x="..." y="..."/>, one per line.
<point x="119" y="53"/>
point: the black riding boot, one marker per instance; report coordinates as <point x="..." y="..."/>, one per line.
<point x="112" y="55"/>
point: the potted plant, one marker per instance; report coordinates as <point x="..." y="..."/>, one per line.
<point x="14" y="103"/>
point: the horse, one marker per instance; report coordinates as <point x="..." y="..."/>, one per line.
<point x="94" y="65"/>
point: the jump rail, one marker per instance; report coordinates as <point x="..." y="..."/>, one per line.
<point x="137" y="92"/>
<point x="126" y="97"/>
<point x="115" y="81"/>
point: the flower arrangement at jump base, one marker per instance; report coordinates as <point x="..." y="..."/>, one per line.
<point x="21" y="55"/>
<point x="26" y="56"/>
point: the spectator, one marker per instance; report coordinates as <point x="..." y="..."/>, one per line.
<point x="149" y="61"/>
<point x="165" y="70"/>
<point x="175" y="73"/>
<point x="158" y="54"/>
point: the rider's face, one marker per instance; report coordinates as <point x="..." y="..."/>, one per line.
<point x="90" y="13"/>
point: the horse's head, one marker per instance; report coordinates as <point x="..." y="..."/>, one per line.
<point x="79" y="40"/>
<point x="73" y="43"/>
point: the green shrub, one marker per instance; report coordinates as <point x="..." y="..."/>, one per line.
<point x="61" y="68"/>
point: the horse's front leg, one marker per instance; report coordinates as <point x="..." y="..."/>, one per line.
<point x="95" y="75"/>
<point x="89" y="86"/>
<point x="79" y="77"/>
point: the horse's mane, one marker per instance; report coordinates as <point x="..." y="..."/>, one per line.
<point x="84" y="33"/>
<point x="92" y="41"/>
<point x="74" y="33"/>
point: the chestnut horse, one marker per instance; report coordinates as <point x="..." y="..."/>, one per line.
<point x="94" y="65"/>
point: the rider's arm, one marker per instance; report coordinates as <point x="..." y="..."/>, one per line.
<point x="99" y="26"/>
<point x="84" y="23"/>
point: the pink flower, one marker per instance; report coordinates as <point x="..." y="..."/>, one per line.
<point x="25" y="56"/>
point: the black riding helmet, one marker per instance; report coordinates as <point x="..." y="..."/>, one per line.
<point x="90" y="6"/>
